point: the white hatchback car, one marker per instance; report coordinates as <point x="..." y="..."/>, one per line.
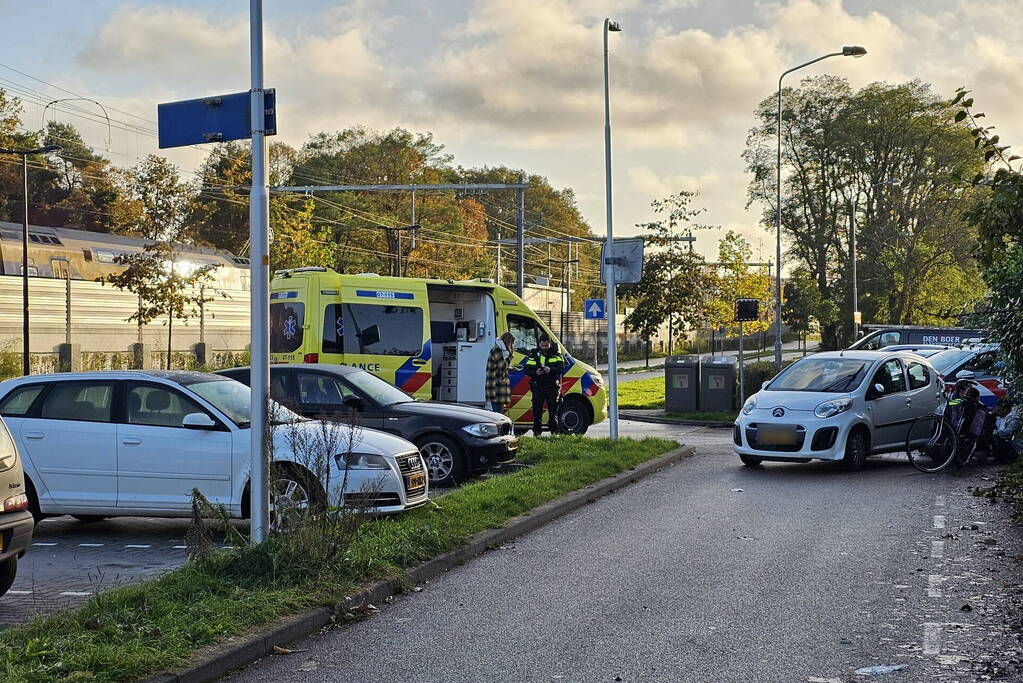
<point x="837" y="405"/>
<point x="102" y="444"/>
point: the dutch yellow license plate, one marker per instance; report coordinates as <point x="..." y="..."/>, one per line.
<point x="416" y="481"/>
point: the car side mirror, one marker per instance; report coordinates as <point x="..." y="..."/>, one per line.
<point x="198" y="421"/>
<point x="354" y="402"/>
<point x="765" y="383"/>
<point x="876" y="391"/>
<point x="965" y="374"/>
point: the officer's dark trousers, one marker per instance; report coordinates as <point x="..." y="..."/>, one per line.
<point x="551" y="399"/>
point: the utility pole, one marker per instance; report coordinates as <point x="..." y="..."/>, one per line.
<point x="520" y="232"/>
<point x="497" y="279"/>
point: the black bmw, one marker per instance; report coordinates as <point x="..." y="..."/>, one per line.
<point x="455" y="440"/>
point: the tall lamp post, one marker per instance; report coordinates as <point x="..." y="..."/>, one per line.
<point x="847" y="51"/>
<point x="25" y="154"/>
<point x="609" y="273"/>
<point x="853" y="258"/>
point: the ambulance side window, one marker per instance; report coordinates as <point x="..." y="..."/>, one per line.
<point x="333" y="329"/>
<point x="286" y="320"/>
<point x="525" y="330"/>
<point x="382" y="330"/>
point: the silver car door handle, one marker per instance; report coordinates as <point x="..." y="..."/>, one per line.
<point x="131" y="442"/>
<point x="33" y="435"/>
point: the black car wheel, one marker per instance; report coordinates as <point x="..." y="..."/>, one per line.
<point x="8" y="570"/>
<point x="294" y="494"/>
<point x="445" y="461"/>
<point x="573" y="418"/>
<point x="857" y="445"/>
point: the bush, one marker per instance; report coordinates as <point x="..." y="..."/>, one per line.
<point x="758" y="372"/>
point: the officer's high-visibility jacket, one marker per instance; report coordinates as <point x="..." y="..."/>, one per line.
<point x="538" y="358"/>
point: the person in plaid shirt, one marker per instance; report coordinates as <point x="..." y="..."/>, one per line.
<point x="498" y="384"/>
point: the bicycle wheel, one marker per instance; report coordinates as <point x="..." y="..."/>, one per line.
<point x="931" y="443"/>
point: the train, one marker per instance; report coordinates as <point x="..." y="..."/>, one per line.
<point x="61" y="253"/>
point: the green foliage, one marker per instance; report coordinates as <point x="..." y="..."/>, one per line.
<point x="842" y="152"/>
<point x="734" y="278"/>
<point x="1004" y="316"/>
<point x="129" y="632"/>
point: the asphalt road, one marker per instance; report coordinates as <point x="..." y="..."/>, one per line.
<point x="708" y="571"/>
<point x="70" y="560"/>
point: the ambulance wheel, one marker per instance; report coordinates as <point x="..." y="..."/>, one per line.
<point x="574" y="416"/>
<point x="445" y="461"/>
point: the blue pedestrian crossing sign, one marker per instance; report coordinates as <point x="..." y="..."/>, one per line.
<point x="595" y="309"/>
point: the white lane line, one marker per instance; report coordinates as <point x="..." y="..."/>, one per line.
<point x="939" y="521"/>
<point x="142" y="545"/>
<point x="91" y="545"/>
<point x="181" y="547"/>
<point x="934" y="585"/>
<point x="937" y="549"/>
<point x="932" y="639"/>
<point x="939" y="501"/>
<point x="19" y="592"/>
<point x="77" y="594"/>
<point x="44" y="544"/>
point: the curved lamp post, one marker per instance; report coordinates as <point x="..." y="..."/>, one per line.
<point x="24" y="154"/>
<point x="847" y="51"/>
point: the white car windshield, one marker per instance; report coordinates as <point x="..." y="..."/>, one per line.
<point x="234" y="399"/>
<point x="828" y="375"/>
<point x="946" y="361"/>
<point x="377" y="389"/>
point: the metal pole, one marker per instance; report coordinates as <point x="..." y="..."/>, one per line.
<point x="259" y="248"/>
<point x="742" y="366"/>
<point x="520" y="234"/>
<point x="852" y="257"/>
<point x="777" y="251"/>
<point x="497" y="279"/>
<point x="25" y="360"/>
<point x="612" y="340"/>
<point x="67" y="307"/>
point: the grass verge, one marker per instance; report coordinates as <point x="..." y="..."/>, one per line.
<point x="1008" y="489"/>
<point x="129" y="632"/>
<point x="642" y="394"/>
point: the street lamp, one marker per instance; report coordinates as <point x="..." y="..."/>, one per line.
<point x="852" y="257"/>
<point x="609" y="273"/>
<point x="24" y="154"/>
<point x="847" y="51"/>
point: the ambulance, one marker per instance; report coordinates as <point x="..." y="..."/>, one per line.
<point x="430" y="338"/>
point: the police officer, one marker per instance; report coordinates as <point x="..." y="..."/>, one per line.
<point x="544" y="366"/>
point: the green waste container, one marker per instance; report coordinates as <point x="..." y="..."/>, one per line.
<point x="681" y="383"/>
<point x="717" y="384"/>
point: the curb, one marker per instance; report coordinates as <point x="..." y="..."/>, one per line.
<point x="636" y="417"/>
<point x="225" y="659"/>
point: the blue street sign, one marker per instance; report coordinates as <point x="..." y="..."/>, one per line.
<point x="212" y="119"/>
<point x="595" y="309"/>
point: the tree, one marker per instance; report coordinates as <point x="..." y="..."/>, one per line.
<point x="160" y="200"/>
<point x="803" y="306"/>
<point x="842" y="152"/>
<point x="165" y="284"/>
<point x="734" y="278"/>
<point x="675" y="279"/>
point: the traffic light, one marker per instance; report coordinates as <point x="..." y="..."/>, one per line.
<point x="747" y="310"/>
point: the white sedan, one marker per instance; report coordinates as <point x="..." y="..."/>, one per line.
<point x="102" y="444"/>
<point x="838" y="405"/>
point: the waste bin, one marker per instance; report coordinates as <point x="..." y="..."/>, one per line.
<point x="717" y="384"/>
<point x="681" y="381"/>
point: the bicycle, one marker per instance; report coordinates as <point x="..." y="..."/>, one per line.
<point x="953" y="434"/>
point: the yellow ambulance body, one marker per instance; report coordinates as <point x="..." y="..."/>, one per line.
<point x="430" y="338"/>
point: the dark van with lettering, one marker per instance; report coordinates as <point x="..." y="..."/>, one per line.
<point x="880" y="336"/>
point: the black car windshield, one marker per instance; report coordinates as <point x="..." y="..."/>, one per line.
<point x="377" y="389"/>
<point x="234" y="400"/>
<point x="946" y="361"/>
<point x="828" y="375"/>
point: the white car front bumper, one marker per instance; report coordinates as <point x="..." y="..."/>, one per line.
<point x="383" y="491"/>
<point x="817" y="439"/>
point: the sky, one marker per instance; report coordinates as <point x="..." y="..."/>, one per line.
<point x="511" y="82"/>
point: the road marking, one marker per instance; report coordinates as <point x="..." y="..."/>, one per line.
<point x="939" y="521"/>
<point x="91" y="545"/>
<point x="937" y="549"/>
<point x="77" y="594"/>
<point x="934" y="585"/>
<point x="19" y="592"/>
<point x="939" y="501"/>
<point x="181" y="547"/>
<point x="143" y="545"/>
<point x="932" y="639"/>
<point x="45" y="544"/>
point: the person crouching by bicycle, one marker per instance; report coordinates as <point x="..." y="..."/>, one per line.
<point x="545" y="366"/>
<point x="1007" y="440"/>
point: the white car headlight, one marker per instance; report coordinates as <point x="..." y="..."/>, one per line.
<point x="749" y="405"/>
<point x="484" y="430"/>
<point x="361" y="461"/>
<point x="833" y="407"/>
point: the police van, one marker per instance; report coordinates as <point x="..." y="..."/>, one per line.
<point x="430" y="338"/>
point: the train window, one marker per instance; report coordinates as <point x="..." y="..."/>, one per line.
<point x="32" y="271"/>
<point x="33" y="237"/>
<point x="106" y="255"/>
<point x="87" y="253"/>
